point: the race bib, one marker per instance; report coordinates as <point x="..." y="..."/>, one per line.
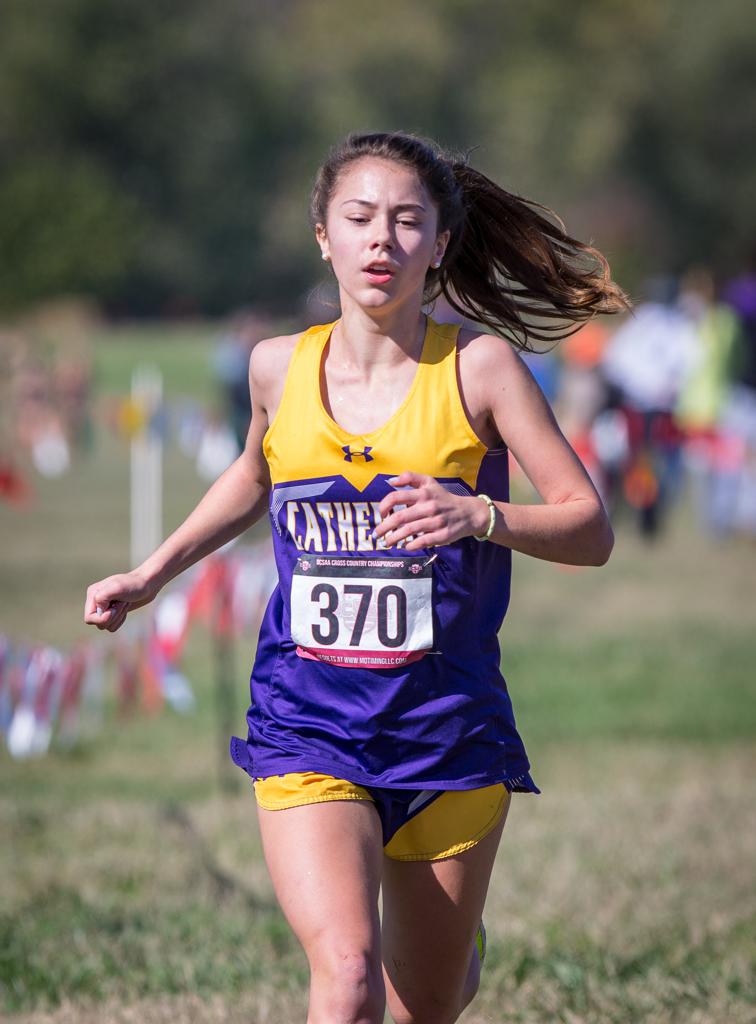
<point x="363" y="613"/>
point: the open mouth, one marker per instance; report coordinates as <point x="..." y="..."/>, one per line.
<point x="379" y="273"/>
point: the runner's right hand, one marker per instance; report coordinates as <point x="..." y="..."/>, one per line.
<point x="109" y="601"/>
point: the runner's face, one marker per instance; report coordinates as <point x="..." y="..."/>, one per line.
<point x="381" y="233"/>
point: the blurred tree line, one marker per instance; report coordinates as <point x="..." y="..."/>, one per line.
<point x="158" y="154"/>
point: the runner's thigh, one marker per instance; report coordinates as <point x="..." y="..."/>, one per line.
<point x="325" y="863"/>
<point x="431" y="912"/>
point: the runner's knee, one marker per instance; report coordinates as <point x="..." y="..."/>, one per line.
<point x="349" y="986"/>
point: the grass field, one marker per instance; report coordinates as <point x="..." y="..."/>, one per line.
<point x="133" y="889"/>
<point x="183" y="355"/>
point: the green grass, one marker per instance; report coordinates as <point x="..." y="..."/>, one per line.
<point x="133" y="887"/>
<point x="665" y="686"/>
<point x="118" y="948"/>
<point x="183" y="354"/>
<point x="623" y="893"/>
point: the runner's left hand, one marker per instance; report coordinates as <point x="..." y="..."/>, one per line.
<point x="432" y="515"/>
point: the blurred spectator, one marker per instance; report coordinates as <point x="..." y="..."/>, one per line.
<point x="217" y="447"/>
<point x="740" y="294"/>
<point x="582" y="388"/>
<point x="45" y="394"/>
<point x="231" y="365"/>
<point x="713" y="453"/>
<point x="609" y="444"/>
<point x="648" y="361"/>
<point x="73" y="389"/>
<point x="740" y="415"/>
<point x="581" y="394"/>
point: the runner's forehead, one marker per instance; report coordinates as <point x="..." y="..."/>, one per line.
<point x="377" y="182"/>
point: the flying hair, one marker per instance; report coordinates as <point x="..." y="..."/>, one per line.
<point x="510" y="264"/>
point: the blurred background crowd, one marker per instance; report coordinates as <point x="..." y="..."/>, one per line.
<point x="665" y="399"/>
<point x="155" y="169"/>
<point x="173" y="188"/>
<point x="660" y="407"/>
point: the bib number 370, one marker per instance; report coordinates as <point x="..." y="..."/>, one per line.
<point x="367" y="613"/>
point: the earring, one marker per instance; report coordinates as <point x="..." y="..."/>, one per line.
<point x="325" y="256"/>
<point x="436" y="264"/>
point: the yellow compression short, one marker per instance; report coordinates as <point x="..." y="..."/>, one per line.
<point x="417" y="824"/>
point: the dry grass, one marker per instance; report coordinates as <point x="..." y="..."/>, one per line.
<point x="623" y="893"/>
<point x="130" y="891"/>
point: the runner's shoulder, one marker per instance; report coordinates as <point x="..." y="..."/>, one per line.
<point x="269" y="360"/>
<point x="485" y="352"/>
<point x="489" y="364"/>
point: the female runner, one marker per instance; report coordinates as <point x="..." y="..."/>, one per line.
<point x="381" y="736"/>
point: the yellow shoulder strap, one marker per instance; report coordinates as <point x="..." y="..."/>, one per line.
<point x="299" y="403"/>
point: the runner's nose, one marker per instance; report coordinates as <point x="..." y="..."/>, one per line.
<point x="382" y="235"/>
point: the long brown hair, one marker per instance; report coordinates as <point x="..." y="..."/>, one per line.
<point x="510" y="265"/>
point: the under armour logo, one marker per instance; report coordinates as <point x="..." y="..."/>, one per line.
<point x="363" y="453"/>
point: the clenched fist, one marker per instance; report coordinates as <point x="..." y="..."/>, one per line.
<point x="110" y="601"/>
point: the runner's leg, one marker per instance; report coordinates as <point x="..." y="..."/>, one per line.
<point x="431" y="912"/>
<point x="325" y="862"/>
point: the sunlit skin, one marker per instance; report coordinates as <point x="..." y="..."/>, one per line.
<point x="326" y="859"/>
<point x="381" y="211"/>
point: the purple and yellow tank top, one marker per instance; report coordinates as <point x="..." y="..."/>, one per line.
<point x="373" y="664"/>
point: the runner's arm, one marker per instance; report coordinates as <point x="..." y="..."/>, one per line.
<point x="571" y="526"/>
<point x="504" y="403"/>
<point x="237" y="499"/>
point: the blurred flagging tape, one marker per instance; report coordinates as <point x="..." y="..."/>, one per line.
<point x="54" y="699"/>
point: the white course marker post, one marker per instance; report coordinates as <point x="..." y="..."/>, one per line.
<point x="146" y="466"/>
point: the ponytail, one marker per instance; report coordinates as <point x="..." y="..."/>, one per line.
<point x="518" y="272"/>
<point x="508" y="265"/>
